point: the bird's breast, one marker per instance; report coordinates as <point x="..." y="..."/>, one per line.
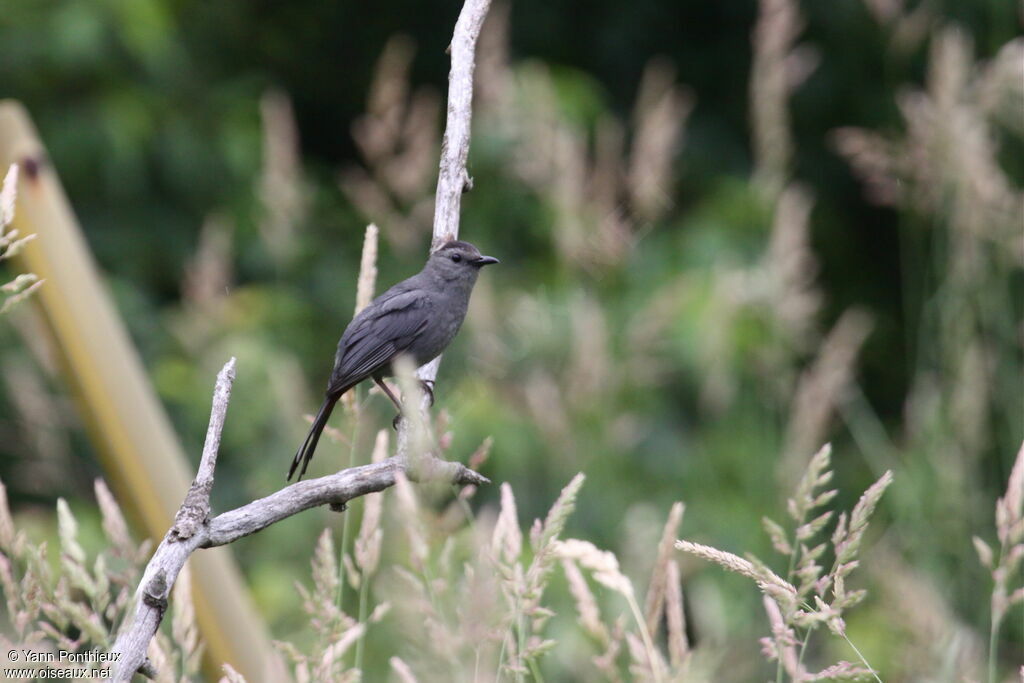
<point x="446" y="319"/>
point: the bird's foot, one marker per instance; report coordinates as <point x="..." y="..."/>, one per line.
<point x="428" y="388"/>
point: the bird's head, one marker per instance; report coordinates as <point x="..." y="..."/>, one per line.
<point x="457" y="260"/>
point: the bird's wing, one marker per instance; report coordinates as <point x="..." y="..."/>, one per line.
<point x="388" y="327"/>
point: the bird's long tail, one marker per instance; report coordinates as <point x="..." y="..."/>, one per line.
<point x="305" y="452"/>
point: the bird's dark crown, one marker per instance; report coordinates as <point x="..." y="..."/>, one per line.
<point x="458" y="244"/>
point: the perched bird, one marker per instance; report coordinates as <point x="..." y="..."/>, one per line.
<point x="417" y="317"/>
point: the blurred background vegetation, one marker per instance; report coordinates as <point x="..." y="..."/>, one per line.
<point x="729" y="233"/>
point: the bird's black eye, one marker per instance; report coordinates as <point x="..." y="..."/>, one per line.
<point x="456" y="257"/>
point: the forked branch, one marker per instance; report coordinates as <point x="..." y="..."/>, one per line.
<point x="194" y="529"/>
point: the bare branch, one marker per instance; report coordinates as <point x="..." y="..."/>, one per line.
<point x="196" y="508"/>
<point x="452" y="178"/>
<point x="178" y="544"/>
<point x="335" y="489"/>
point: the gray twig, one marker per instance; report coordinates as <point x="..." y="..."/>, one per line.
<point x="196" y="508"/>
<point x="452" y="177"/>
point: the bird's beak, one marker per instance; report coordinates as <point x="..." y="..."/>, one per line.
<point x="485" y="261"/>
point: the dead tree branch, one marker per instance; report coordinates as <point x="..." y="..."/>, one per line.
<point x="193" y="529"/>
<point x="452" y="177"/>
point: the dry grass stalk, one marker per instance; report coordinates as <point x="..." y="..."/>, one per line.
<point x="367" y="269"/>
<point x="8" y="197"/>
<point x="604" y="567"/>
<point x="282" y="189"/>
<point x="402" y="670"/>
<point x="793" y="269"/>
<point x="906" y="29"/>
<point x="481" y="454"/>
<point x="546" y="405"/>
<point x="969" y="399"/>
<point x="336" y="631"/>
<point x="522" y="585"/>
<point x="365" y="286"/>
<point x="1005" y="568"/>
<point x="675" y="612"/>
<point x="409" y="513"/>
<point x="209" y="273"/>
<point x="847" y="538"/>
<point x="507" y="540"/>
<point x="842" y="671"/>
<point x="397" y="138"/>
<point x="884" y="11"/>
<point x="934" y="630"/>
<point x="591" y="369"/>
<point x="231" y="675"/>
<point x="603" y="564"/>
<point x="782" y="646"/>
<point x="77" y="609"/>
<point x="664" y="597"/>
<point x="184" y="629"/>
<point x="159" y="658"/>
<point x="43" y="423"/>
<point x="779" y="291"/>
<point x="586" y="605"/>
<point x="821" y="388"/>
<point x="22" y="286"/>
<point x="376" y="132"/>
<point x="798" y="602"/>
<point x="770" y="583"/>
<point x="946" y="170"/>
<point x="947" y="164"/>
<point x="777" y="70"/>
<point x="484" y="613"/>
<point x="368" y="542"/>
<point x="604" y="196"/>
<point x="658" y="116"/>
<point x="115" y="528"/>
<point x="1000" y="85"/>
<point x="660" y="585"/>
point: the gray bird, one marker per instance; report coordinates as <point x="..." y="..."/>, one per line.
<point x="418" y="317"/>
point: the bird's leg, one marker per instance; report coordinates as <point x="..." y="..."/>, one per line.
<point x="428" y="389"/>
<point x="387" y="390"/>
